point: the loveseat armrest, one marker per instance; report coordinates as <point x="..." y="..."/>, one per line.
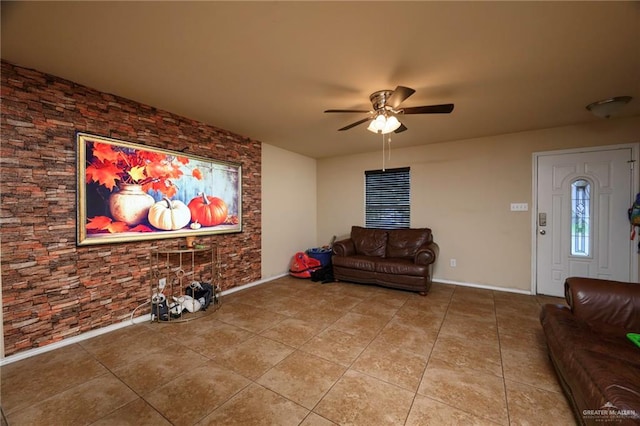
<point x="604" y="304"/>
<point x="426" y="254"/>
<point x="344" y="247"/>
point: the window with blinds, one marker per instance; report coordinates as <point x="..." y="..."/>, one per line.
<point x="387" y="198"/>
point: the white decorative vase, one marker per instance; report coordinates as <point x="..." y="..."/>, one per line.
<point x="130" y="204"/>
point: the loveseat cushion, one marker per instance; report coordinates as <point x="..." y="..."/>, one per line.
<point x="398" y="266"/>
<point x="369" y="242"/>
<point x="406" y="242"/>
<point x="359" y="262"/>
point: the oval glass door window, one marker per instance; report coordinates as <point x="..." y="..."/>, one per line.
<point x="580" y="217"/>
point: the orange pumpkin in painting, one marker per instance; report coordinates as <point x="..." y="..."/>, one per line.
<point x="208" y="210"/>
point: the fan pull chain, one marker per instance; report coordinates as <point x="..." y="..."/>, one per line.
<point x="388" y="156"/>
<point x="389" y="148"/>
<point x="383" y="157"/>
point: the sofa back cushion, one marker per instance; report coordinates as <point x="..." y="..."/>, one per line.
<point x="369" y="241"/>
<point x="406" y="242"/>
<point x="604" y="304"/>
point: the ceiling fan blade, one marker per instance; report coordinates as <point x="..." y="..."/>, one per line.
<point x="400" y="129"/>
<point x="429" y="109"/>
<point x="347" y="110"/>
<point x="357" y="123"/>
<point x="399" y="95"/>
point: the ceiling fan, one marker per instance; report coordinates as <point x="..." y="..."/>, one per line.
<point x="386" y="105"/>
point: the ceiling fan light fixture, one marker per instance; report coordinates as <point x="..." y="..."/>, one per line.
<point x="383" y="124"/>
<point x="608" y="107"/>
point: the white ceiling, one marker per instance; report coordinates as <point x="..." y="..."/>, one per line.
<point x="268" y="70"/>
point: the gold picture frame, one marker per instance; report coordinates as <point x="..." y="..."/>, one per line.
<point x="131" y="192"/>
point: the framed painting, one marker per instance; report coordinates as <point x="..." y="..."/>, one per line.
<point x="129" y="192"/>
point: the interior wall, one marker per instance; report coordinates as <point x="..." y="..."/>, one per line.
<point x="288" y="208"/>
<point x="462" y="190"/>
<point x="51" y="288"/>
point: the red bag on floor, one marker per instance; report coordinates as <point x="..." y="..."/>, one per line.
<point x="302" y="265"/>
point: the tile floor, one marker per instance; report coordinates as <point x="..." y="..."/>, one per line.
<point x="294" y="352"/>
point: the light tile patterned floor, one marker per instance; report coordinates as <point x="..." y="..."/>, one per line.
<point x="294" y="352"/>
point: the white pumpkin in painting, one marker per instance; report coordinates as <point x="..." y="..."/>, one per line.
<point x="169" y="215"/>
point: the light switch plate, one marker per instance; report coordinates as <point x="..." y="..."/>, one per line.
<point x="519" y="207"/>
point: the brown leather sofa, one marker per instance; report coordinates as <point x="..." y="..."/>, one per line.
<point x="398" y="258"/>
<point x="597" y="365"/>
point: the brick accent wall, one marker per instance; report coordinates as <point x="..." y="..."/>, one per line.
<point x="52" y="289"/>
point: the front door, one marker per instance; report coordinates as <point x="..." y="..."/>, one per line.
<point x="582" y="227"/>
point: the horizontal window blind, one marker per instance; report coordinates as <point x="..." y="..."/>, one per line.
<point x="387" y="198"/>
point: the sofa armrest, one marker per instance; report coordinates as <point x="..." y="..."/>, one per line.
<point x="604" y="304"/>
<point x="344" y="248"/>
<point x="427" y="254"/>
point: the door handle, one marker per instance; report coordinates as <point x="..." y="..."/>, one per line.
<point x="542" y="232"/>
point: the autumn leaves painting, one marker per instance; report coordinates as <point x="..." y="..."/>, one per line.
<point x="128" y="192"/>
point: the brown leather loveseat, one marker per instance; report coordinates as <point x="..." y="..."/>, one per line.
<point x="399" y="258"/>
<point x="597" y="365"/>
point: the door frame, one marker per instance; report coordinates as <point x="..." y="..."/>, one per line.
<point x="635" y="188"/>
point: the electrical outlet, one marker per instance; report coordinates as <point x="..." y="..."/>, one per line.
<point x="162" y="282"/>
<point x="453" y="263"/>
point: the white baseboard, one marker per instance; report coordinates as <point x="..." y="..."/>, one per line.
<point x="93" y="333"/>
<point x="253" y="284"/>
<point x="483" y="286"/>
